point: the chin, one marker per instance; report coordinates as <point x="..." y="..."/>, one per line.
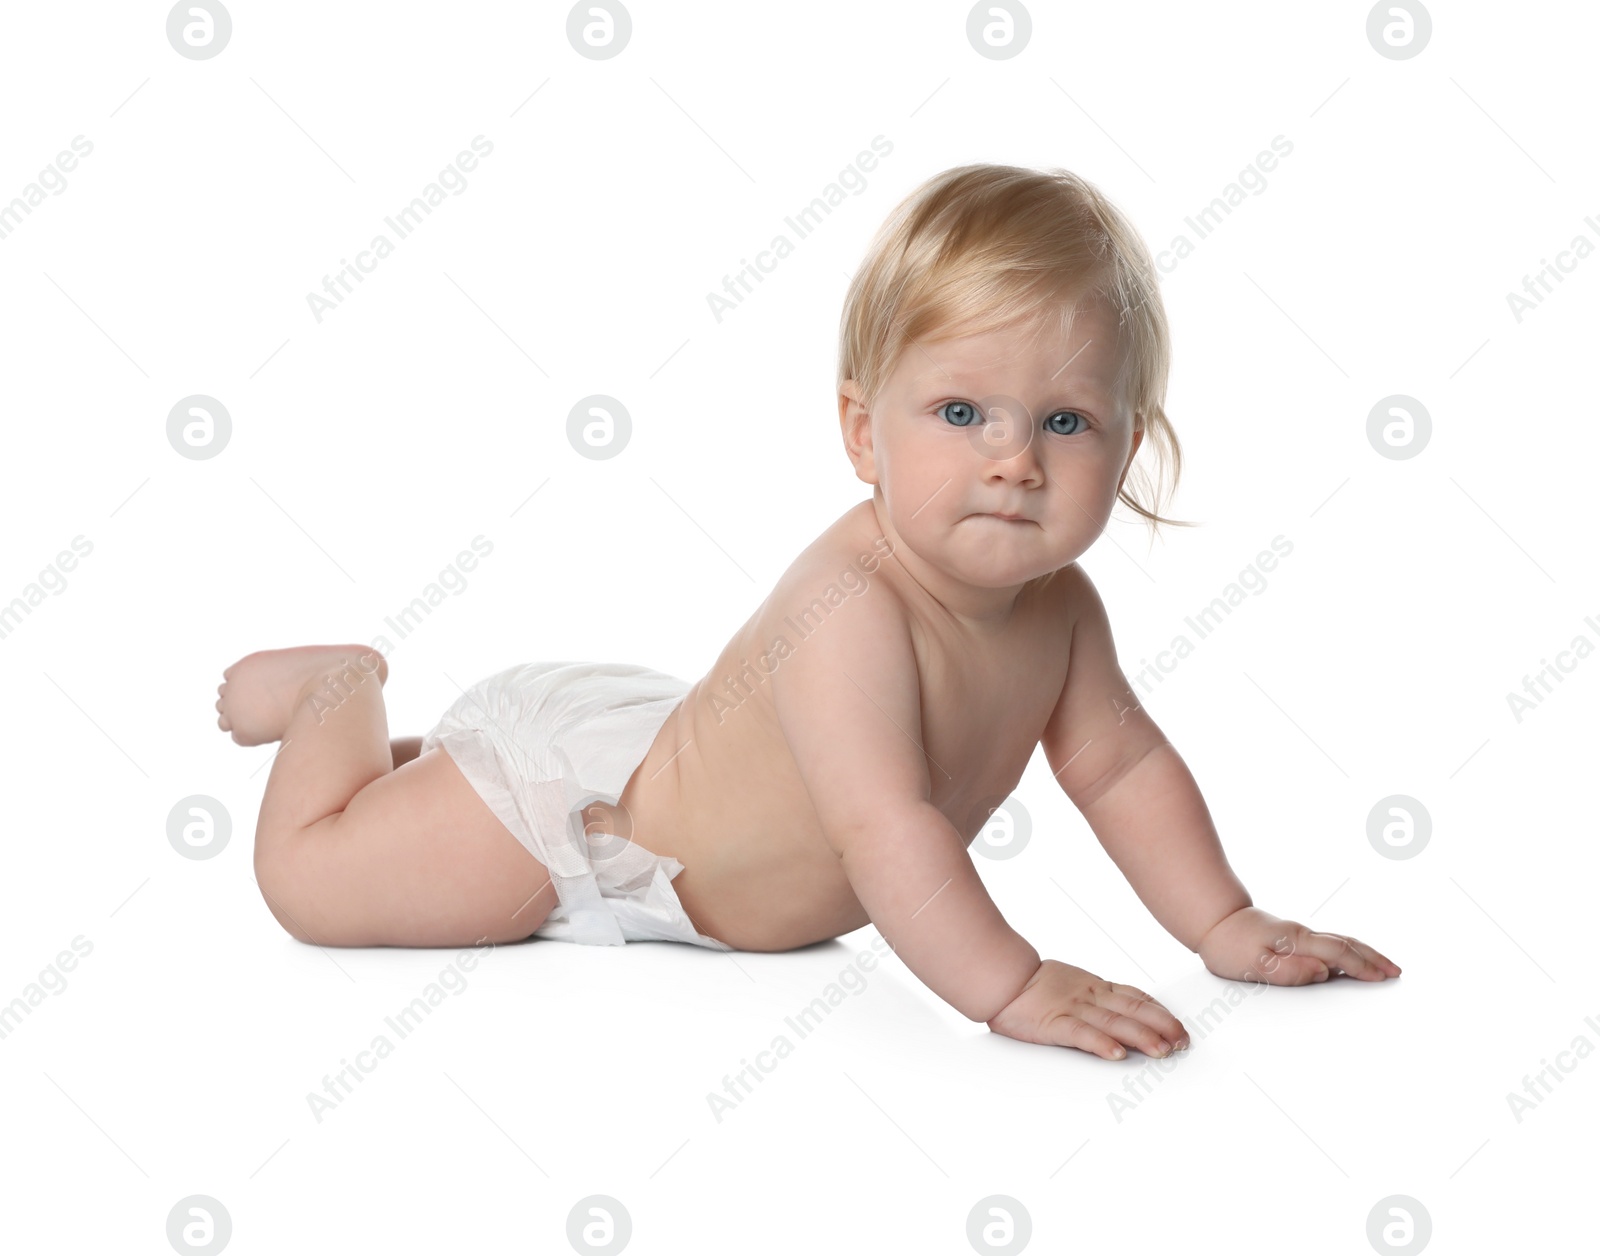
<point x="990" y="576"/>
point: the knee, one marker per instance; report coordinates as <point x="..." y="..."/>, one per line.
<point x="280" y="888"/>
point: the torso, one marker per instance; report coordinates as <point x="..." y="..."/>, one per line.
<point x="720" y="792"/>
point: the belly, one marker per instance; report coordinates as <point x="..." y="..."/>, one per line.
<point x="757" y="871"/>
<point x="772" y="902"/>
<point x="726" y="800"/>
<point x="760" y="879"/>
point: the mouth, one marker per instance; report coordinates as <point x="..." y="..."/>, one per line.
<point x="1007" y="518"/>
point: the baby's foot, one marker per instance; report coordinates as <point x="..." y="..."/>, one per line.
<point x="260" y="693"/>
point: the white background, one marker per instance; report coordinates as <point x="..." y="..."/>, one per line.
<point x="369" y="448"/>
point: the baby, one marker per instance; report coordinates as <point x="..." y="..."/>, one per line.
<point x="1003" y="354"/>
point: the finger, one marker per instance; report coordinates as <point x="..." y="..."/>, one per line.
<point x="1146" y="1009"/>
<point x="1071" y="1031"/>
<point x="1341" y="952"/>
<point x="1126" y="1029"/>
<point x="1297" y="970"/>
<point x="1389" y="967"/>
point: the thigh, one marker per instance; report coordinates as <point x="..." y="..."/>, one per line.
<point x="415" y="859"/>
<point x="404" y="749"/>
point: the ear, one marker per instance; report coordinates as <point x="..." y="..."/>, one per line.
<point x="1138" y="439"/>
<point x="855" y="426"/>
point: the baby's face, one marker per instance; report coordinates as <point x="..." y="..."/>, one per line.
<point x="1010" y="423"/>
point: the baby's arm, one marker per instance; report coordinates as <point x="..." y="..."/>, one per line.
<point x="848" y="702"/>
<point x="1142" y="802"/>
<point x="1138" y="796"/>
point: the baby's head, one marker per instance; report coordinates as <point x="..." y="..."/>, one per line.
<point x="1003" y="348"/>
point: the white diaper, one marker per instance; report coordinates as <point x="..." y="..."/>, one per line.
<point x="540" y="742"/>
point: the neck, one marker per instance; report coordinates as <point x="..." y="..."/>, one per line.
<point x="976" y="607"/>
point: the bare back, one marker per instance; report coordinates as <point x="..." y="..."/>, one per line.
<point x="720" y="791"/>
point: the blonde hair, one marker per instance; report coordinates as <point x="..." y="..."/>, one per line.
<point x="982" y="247"/>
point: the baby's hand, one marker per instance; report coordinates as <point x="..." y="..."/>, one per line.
<point x="1255" y="945"/>
<point x="1063" y="1006"/>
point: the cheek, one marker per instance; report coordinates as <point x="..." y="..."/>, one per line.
<point x="924" y="484"/>
<point x="1090" y="483"/>
<point x="916" y="465"/>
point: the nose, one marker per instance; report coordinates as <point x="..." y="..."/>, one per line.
<point x="1010" y="459"/>
<point x="1022" y="470"/>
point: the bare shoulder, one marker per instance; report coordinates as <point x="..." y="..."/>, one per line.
<point x="1067" y="597"/>
<point x="1080" y="617"/>
<point x="1099" y="723"/>
<point x="1074" y="591"/>
<point x="843" y="570"/>
<point x="845" y="681"/>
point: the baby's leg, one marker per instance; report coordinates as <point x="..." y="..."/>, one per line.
<point x="351" y="851"/>
<point x="404" y="749"/>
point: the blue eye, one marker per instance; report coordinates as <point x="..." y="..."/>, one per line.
<point x="965" y="414"/>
